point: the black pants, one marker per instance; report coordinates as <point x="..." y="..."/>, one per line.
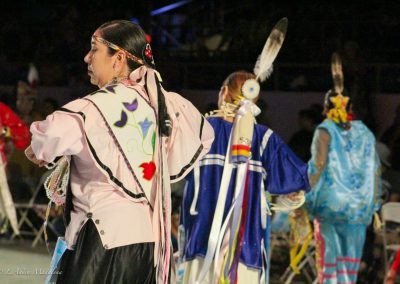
<point x="91" y="263"/>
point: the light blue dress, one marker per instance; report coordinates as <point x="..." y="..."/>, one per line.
<point x="343" y="199"/>
<point x="345" y="191"/>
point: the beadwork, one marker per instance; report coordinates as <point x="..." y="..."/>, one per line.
<point x="56" y="183"/>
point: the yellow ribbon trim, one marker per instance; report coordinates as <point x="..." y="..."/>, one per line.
<point x="222" y="279"/>
<point x="299" y="242"/>
<point x="241" y="153"/>
<point x="377" y="222"/>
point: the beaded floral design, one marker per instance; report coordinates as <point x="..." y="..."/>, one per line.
<point x="127" y="119"/>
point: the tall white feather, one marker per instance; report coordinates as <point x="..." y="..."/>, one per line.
<point x="263" y="67"/>
<point x="33" y="75"/>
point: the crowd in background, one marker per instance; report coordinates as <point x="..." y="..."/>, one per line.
<point x="205" y="31"/>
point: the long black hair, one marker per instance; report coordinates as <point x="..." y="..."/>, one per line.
<point x="128" y="36"/>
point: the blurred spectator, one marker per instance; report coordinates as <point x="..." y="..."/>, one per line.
<point x="391" y="137"/>
<point x="390" y="176"/>
<point x="301" y="141"/>
<point x="394" y="269"/>
<point x="48" y="33"/>
<point x="26" y="102"/>
<point x="299" y="83"/>
<point x="372" y="253"/>
<point x="49" y="106"/>
<point x="12" y="129"/>
<point x="30" y="174"/>
<point x="262" y="118"/>
<point x="318" y="109"/>
<point x="355" y="74"/>
<point x="387" y="136"/>
<point x="175" y="216"/>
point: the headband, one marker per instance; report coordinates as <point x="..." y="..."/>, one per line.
<point x="146" y="53"/>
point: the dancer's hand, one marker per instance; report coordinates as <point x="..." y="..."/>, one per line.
<point x="390" y="277"/>
<point x="31" y="157"/>
<point x="297" y="213"/>
<point x="295" y="195"/>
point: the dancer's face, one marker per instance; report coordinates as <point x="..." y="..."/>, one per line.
<point x="24" y="104"/>
<point x="100" y="63"/>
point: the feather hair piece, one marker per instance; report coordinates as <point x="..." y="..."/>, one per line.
<point x="337" y="73"/>
<point x="263" y="67"/>
<point x="33" y="75"/>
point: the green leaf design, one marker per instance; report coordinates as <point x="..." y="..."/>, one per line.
<point x="153" y="141"/>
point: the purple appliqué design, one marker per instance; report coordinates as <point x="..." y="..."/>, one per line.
<point x="111" y="89"/>
<point x="131" y="106"/>
<point x="122" y="121"/>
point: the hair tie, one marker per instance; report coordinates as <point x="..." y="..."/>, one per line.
<point x="163" y="116"/>
<point x="147" y="55"/>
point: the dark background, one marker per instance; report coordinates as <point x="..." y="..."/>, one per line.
<point x="55" y="36"/>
